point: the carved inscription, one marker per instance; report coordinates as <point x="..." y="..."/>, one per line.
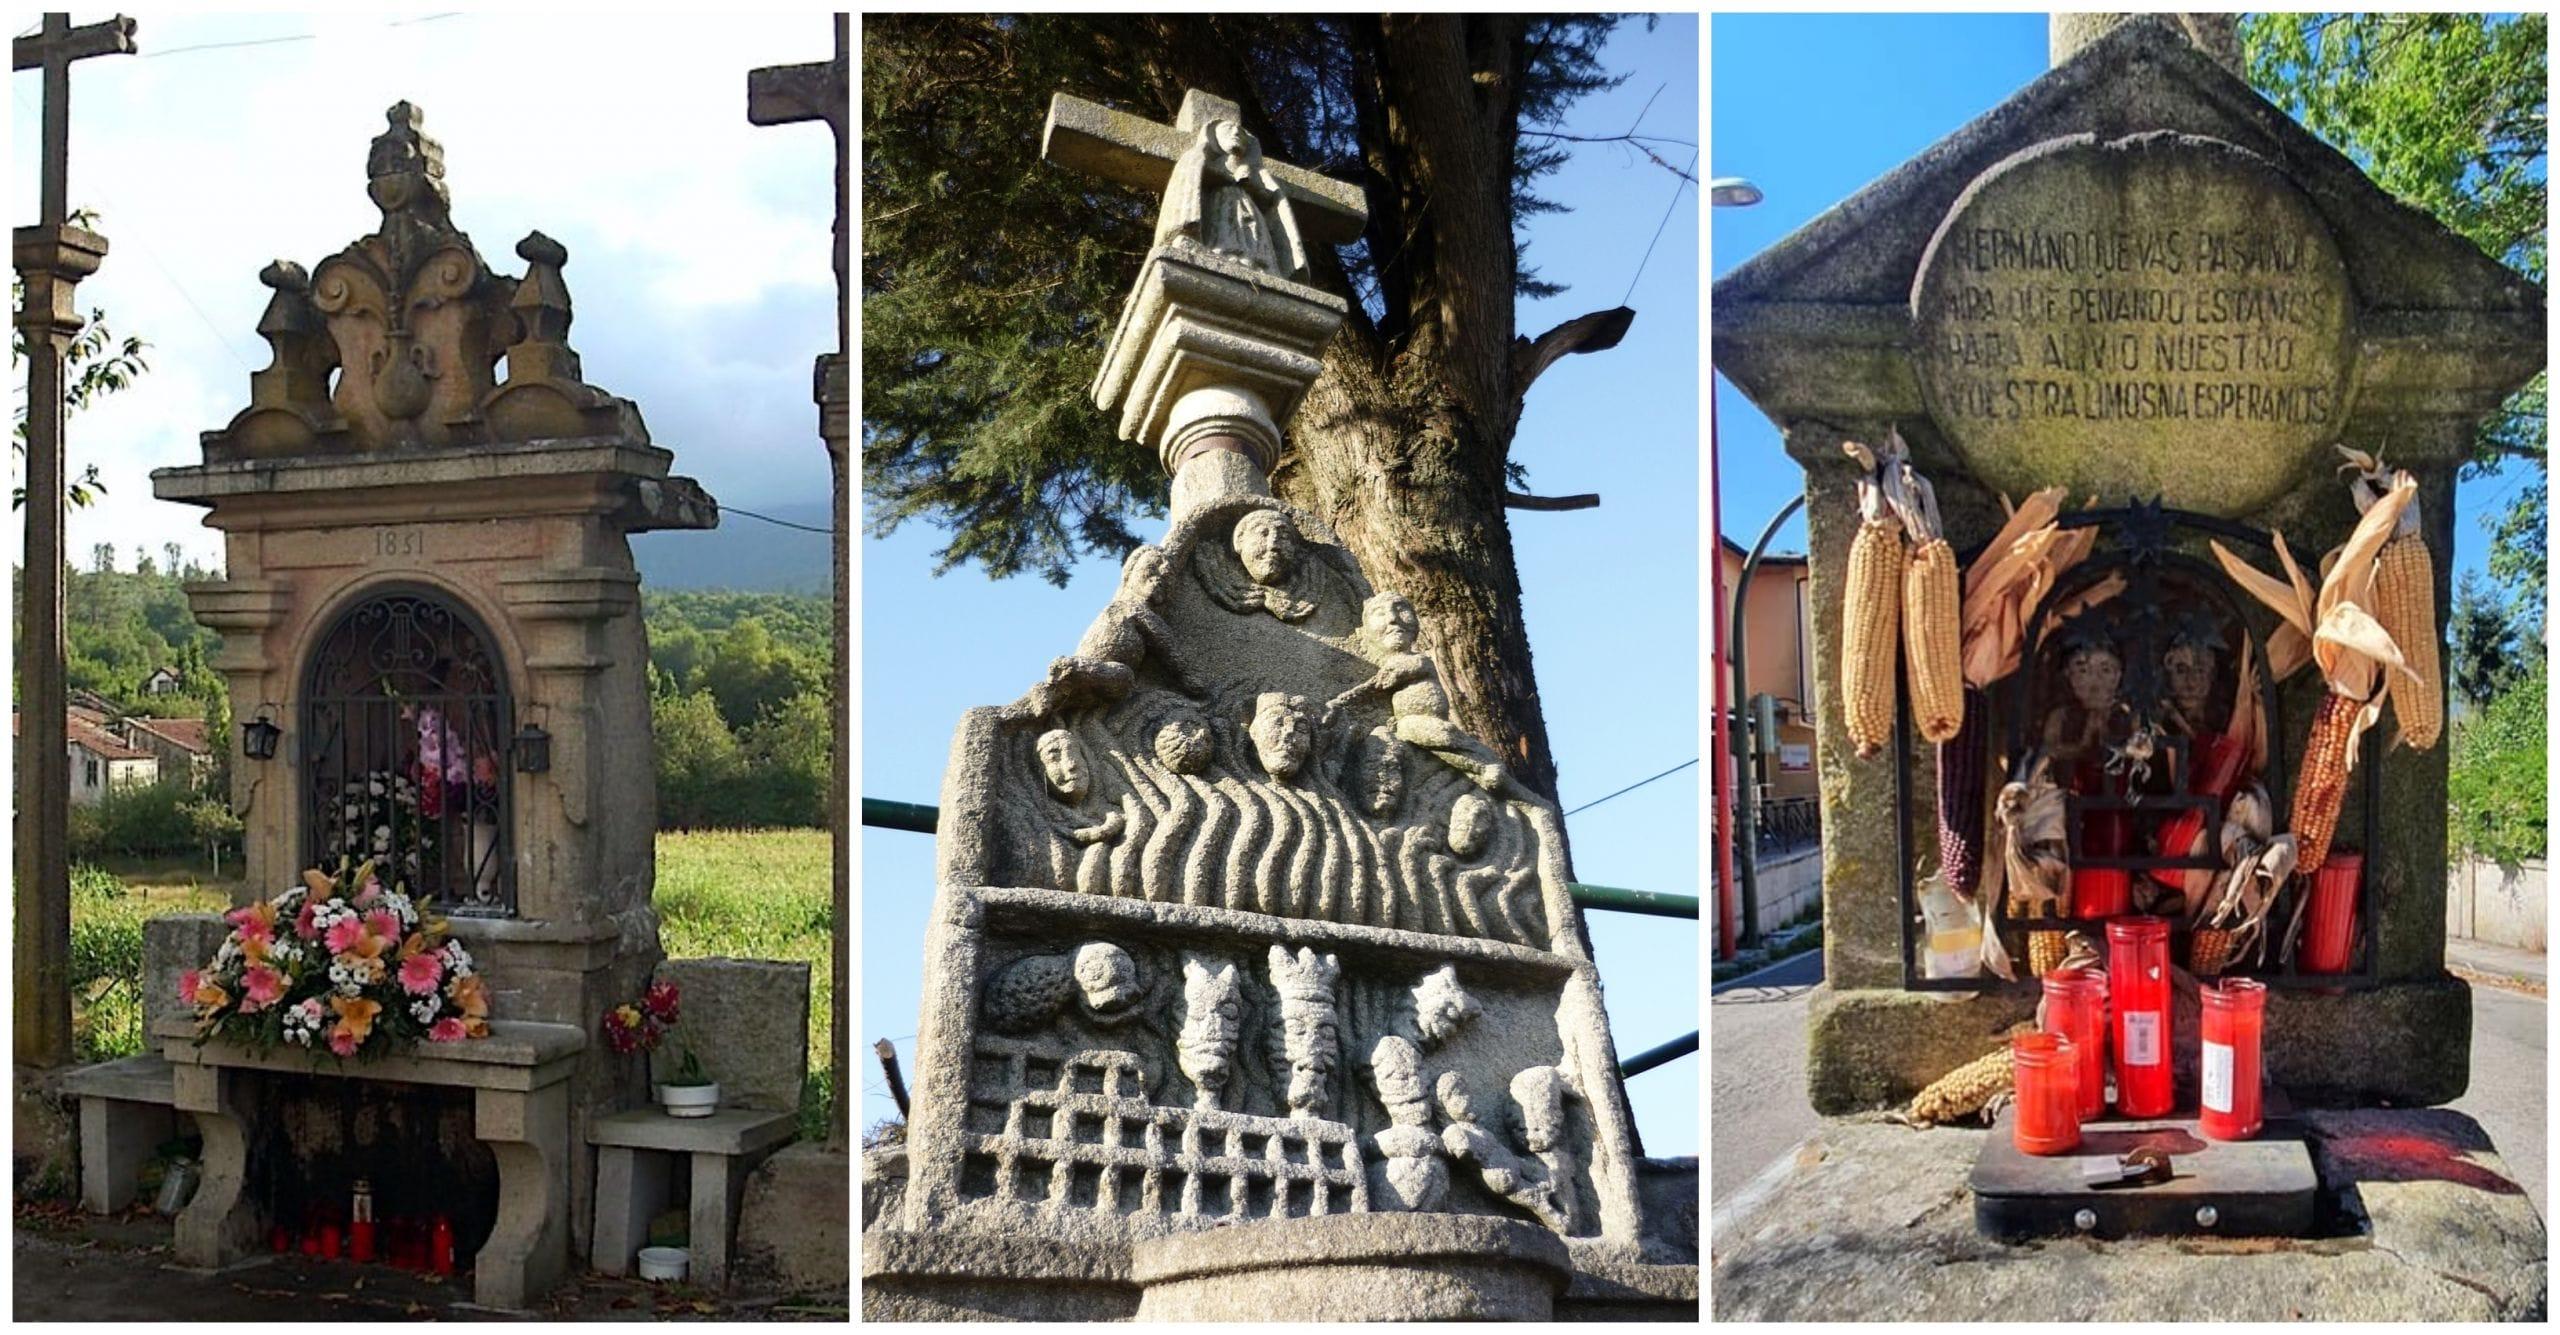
<point x="2117" y="317"/>
<point x="399" y="543"/>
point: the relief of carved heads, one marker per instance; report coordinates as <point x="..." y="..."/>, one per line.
<point x="1064" y="762"/>
<point x="1212" y="1017"/>
<point x="1413" y="1174"/>
<point x="1310" y="1041"/>
<point x="1541" y="1092"/>
<point x="1381" y="773"/>
<point x="1182" y="743"/>
<point x="1283" y="731"/>
<point x="1107" y="977"/>
<point x="1267" y="545"/>
<point x="1389" y="621"/>
<point x="1471" y="822"/>
<point x="1441" y="1006"/>
<point x="1142" y="575"/>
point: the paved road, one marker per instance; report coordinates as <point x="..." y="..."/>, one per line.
<point x="1757" y="1109"/>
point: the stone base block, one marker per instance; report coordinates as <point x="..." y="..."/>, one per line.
<point x="1355" y="1267"/>
<point x="984" y="1277"/>
<point x="1628" y="1291"/>
<point x="2407" y="1044"/>
<point x="791" y="1223"/>
<point x="1871" y="1221"/>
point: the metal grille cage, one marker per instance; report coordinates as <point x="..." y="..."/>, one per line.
<point x="405" y="726"/>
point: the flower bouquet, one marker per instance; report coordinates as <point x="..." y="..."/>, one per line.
<point x="639" y="1027"/>
<point x="358" y="972"/>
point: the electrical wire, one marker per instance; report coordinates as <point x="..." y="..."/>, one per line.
<point x="1658" y="228"/>
<point x="785" y="523"/>
<point x="1634" y="786"/>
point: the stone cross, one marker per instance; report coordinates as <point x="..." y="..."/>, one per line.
<point x="1224" y="331"/>
<point x="785" y="95"/>
<point x="51" y="258"/>
<point x="1117" y="146"/>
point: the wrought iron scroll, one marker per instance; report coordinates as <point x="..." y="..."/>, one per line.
<point x="405" y="729"/>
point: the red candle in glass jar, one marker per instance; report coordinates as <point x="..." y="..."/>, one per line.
<point x="2048" y="1075"/>
<point x="2329" y="938"/>
<point x="440" y="1246"/>
<point x="2138" y="992"/>
<point x="2075" y="1006"/>
<point x="2234" y="1023"/>
<point x="328" y="1242"/>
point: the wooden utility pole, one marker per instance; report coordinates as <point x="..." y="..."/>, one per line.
<point x="785" y="95"/>
<point x="51" y="258"/>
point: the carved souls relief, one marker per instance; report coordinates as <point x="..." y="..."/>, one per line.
<point x="1336" y="787"/>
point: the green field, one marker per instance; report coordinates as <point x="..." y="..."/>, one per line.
<point x="760" y="894"/>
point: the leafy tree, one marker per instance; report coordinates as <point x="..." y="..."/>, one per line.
<point x="751" y="675"/>
<point x="2449" y="112"/>
<point x="699" y="763"/>
<point x="786" y="754"/>
<point x="990" y="281"/>
<point x="2497" y="785"/>
<point x="2486" y="653"/>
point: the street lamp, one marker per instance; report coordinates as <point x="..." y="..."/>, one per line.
<point x="1724" y="192"/>
<point x="258" y="736"/>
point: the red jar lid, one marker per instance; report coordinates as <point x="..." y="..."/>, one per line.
<point x="2138" y="928"/>
<point x="2242" y="994"/>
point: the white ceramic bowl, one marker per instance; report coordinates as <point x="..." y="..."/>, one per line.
<point x="664" y="1263"/>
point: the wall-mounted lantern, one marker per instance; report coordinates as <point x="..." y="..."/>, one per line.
<point x="258" y="736"/>
<point x="533" y="749"/>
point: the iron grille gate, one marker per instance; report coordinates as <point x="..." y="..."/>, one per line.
<point x="405" y="732"/>
<point x="2135" y="545"/>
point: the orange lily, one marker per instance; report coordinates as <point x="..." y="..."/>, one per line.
<point x="355" y="1016"/>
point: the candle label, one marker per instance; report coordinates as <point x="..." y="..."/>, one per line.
<point x="2217" y="1077"/>
<point x="2142" y="1038"/>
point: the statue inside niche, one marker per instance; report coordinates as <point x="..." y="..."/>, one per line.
<point x="1411" y="683"/>
<point x="2190" y="666"/>
<point x="1283" y="732"/>
<point x="1223" y="196"/>
<point x="1212" y="1017"/>
<point x="1104" y="666"/>
<point x="2077" y="731"/>
<point x="1271" y="553"/>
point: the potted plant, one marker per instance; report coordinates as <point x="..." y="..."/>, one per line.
<point x="639" y="1027"/>
<point x="690" y="1092"/>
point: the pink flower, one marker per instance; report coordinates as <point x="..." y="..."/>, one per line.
<point x="306" y="923"/>
<point x="383" y="923"/>
<point x="343" y="1043"/>
<point x="344" y="934"/>
<point x="264" y="987"/>
<point x="187" y="986"/>
<point x="372" y="890"/>
<point x="419" y="974"/>
<point x="255" y="922"/>
<point x="447" y="1030"/>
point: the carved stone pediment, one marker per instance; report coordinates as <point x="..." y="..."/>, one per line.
<point x="393" y="343"/>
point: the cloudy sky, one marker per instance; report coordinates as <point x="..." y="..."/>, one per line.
<point x="698" y="244"/>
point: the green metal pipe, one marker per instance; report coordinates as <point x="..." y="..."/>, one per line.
<point x="1652" y="1057"/>
<point x="914" y="817"/>
<point x="918" y="818"/>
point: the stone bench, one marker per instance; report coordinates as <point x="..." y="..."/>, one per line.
<point x="519" y="1078"/>
<point x="638" y="1157"/>
<point x="127" y="1111"/>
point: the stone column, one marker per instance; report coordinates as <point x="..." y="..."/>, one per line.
<point x="2217" y="35"/>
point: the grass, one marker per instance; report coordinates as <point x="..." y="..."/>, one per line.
<point x="752" y="894"/>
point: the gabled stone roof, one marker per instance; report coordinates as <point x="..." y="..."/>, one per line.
<point x="1824" y="316"/>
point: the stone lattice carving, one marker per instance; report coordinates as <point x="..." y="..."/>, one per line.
<point x="413" y="322"/>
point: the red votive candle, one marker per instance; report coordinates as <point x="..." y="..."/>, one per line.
<point x="440" y="1246"/>
<point x="2234" y="1020"/>
<point x="2075" y="1006"/>
<point x="2100" y="892"/>
<point x="2048" y="1074"/>
<point x="2329" y="938"/>
<point x="328" y="1242"/>
<point x="2138" y="987"/>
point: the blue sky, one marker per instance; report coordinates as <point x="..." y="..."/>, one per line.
<point x="1611" y="600"/>
<point x="1883" y="87"/>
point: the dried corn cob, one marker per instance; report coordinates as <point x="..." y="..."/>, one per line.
<point x="1962" y="761"/>
<point x="2045" y="952"/>
<point x="1929" y="643"/>
<point x="1870" y="616"/>
<point x="1964" y="1091"/>
<point x="2404" y="596"/>
<point x="2320" y="790"/>
<point x="2209" y="951"/>
<point x="2404" y="601"/>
